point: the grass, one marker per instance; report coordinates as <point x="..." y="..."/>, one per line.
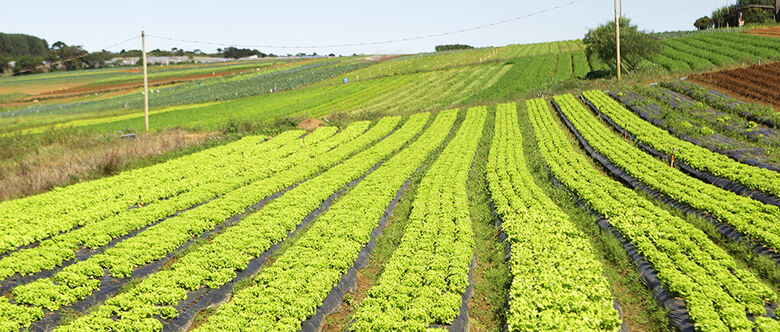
<point x="32" y="164"/>
<point x="488" y="305"/>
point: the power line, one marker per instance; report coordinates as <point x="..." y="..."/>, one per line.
<point x="376" y="42"/>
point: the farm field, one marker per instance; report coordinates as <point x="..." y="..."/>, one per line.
<point x="768" y="32"/>
<point x="760" y="83"/>
<point x="488" y="189"/>
<point x="69" y="85"/>
<point x="727" y="132"/>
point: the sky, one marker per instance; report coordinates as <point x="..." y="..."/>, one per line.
<point x="98" y="24"/>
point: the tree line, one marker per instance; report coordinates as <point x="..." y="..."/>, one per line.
<point x="728" y="16"/>
<point x="23" y="54"/>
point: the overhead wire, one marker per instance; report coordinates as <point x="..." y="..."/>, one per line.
<point x="392" y="41"/>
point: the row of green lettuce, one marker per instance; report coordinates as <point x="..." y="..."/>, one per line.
<point x="76" y="281"/>
<point x="424" y="280"/>
<point x="216" y="262"/>
<point x="27" y="220"/>
<point x="306" y="273"/>
<point x="746" y="215"/>
<point x="700" y="158"/>
<point x="49" y="253"/>
<point x="717" y="292"/>
<point x="557" y="282"/>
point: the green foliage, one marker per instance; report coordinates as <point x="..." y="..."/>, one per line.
<point x="635" y="45"/>
<point x="452" y="47"/>
<point x="703" y="23"/>
<point x="17" y="45"/>
<point x="728" y="16"/>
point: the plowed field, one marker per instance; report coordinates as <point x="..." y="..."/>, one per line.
<point x="757" y="82"/>
<point x="769" y="32"/>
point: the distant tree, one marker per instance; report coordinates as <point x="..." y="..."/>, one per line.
<point x="233" y="52"/>
<point x="635" y="45"/>
<point x="16" y="45"/>
<point x="721" y="17"/>
<point x="703" y="23"/>
<point x="728" y="16"/>
<point x="28" y="64"/>
<point x="452" y="47"/>
<point x="67" y="56"/>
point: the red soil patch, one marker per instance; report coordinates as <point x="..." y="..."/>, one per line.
<point x="758" y="82"/>
<point x="767" y="32"/>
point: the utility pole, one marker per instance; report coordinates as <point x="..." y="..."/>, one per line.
<point x="618" y="9"/>
<point x="146" y="83"/>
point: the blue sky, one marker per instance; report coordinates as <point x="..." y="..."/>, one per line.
<point x="97" y="24"/>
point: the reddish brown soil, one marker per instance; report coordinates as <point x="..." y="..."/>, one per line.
<point x="758" y="82"/>
<point x="768" y="32"/>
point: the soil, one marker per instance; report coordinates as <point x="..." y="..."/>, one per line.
<point x="759" y="83"/>
<point x="310" y="124"/>
<point x="767" y="32"/>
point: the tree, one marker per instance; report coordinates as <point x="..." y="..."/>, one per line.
<point x="635" y="45"/>
<point x="721" y="17"/>
<point x="703" y="23"/>
<point x="17" y="45"/>
<point x="441" y="48"/>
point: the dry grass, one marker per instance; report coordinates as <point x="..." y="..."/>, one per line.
<point x="34" y="164"/>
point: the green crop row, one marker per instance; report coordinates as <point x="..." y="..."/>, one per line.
<point x="287" y="77"/>
<point x="423" y="281"/>
<point x="709" y="50"/>
<point x="78" y="280"/>
<point x="697" y="157"/>
<point x="727" y="104"/>
<point x="717" y="293"/>
<point x="304" y="275"/>
<point x="216" y="262"/>
<point x="34" y="218"/>
<point x="557" y="281"/>
<point x="52" y="252"/>
<point x="746" y="215"/>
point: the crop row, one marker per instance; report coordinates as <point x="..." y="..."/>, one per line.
<point x="287" y="77"/>
<point x="78" y="280"/>
<point x="52" y="252"/>
<point x="557" y="281"/>
<point x="708" y="50"/>
<point x="307" y="272"/>
<point x="424" y="279"/>
<point x="433" y="90"/>
<point x="697" y="157"/>
<point x="749" y="111"/>
<point x="748" y="216"/>
<point x="458" y="59"/>
<point x="215" y="263"/>
<point x="717" y="293"/>
<point x="34" y="218"/>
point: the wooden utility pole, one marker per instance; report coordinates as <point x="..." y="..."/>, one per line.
<point x="146" y="83"/>
<point x="618" y="9"/>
